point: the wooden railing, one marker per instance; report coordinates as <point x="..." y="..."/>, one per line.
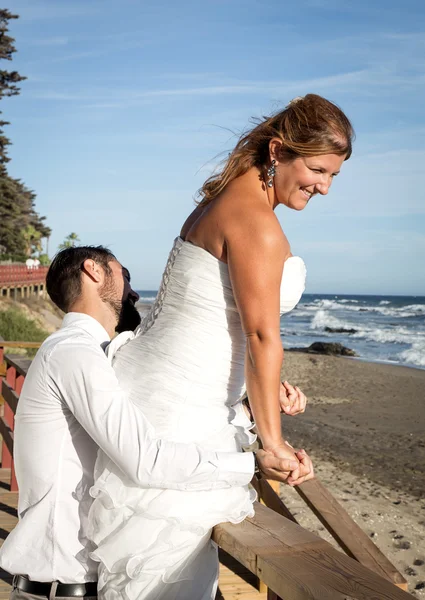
<point x="348" y="535"/>
<point x="16" y="275"/>
<point x="12" y="345"/>
<point x="298" y="565"/>
<point x="13" y="369"/>
<point x="292" y="562"/>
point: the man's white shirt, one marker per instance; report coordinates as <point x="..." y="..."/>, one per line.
<point x="71" y="404"/>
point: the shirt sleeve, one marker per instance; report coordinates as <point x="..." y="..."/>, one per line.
<point x="86" y="382"/>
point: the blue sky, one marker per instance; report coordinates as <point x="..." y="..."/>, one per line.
<point x="128" y="104"/>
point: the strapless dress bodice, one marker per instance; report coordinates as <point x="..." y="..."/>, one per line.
<point x="293" y="283"/>
<point x="293" y="277"/>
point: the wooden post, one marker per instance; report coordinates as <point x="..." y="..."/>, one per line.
<point x="13" y="481"/>
<point x="11" y="376"/>
<point x="262" y="588"/>
<point x="19" y="383"/>
<point x="6" y="459"/>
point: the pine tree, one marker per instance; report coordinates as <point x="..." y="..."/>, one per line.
<point x="9" y="80"/>
<point x="17" y="202"/>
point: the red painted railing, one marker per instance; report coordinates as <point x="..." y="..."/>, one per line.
<point x="13" y="369"/>
<point x="16" y="275"/>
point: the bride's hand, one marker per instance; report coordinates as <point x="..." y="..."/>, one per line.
<point x="292" y="400"/>
<point x="271" y="467"/>
<point x="284" y="451"/>
<point x="306" y="470"/>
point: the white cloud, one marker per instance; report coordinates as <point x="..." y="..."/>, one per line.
<point x="49" y="41"/>
<point x="40" y="10"/>
<point x="359" y="82"/>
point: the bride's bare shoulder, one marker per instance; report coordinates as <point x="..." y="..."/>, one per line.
<point x="235" y="220"/>
<point x="259" y="224"/>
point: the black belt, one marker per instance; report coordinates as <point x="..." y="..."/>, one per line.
<point x="39" y="588"/>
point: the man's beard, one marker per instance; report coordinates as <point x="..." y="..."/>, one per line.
<point x="129" y="317"/>
<point x="126" y="314"/>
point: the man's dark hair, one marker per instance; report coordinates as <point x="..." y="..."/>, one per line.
<point x="63" y="280"/>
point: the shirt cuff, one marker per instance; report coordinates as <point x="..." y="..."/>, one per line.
<point x="118" y="341"/>
<point x="236" y="467"/>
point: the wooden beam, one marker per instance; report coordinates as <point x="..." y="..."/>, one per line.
<point x="15" y="344"/>
<point x="269" y="497"/>
<point x="297" y="564"/>
<point x="352" y="539"/>
<point x="10" y="396"/>
<point x="271" y="595"/>
<point x="20" y="364"/>
<point x="7" y="435"/>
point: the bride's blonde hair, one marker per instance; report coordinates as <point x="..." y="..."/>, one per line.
<point x="308" y="126"/>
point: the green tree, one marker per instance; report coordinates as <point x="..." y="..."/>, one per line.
<point x="44" y="260"/>
<point x="32" y="239"/>
<point x="17" y="202"/>
<point x="70" y="241"/>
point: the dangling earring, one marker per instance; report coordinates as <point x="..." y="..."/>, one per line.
<point x="271" y="172"/>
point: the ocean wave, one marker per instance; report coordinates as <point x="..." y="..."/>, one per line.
<point x="389" y="329"/>
<point x="318" y="304"/>
<point x="414" y="310"/>
<point x="299" y="312"/>
<point x="410" y="310"/>
<point x="395" y="335"/>
<point x="323" y="319"/>
<point x="414" y="355"/>
<point x="147" y="298"/>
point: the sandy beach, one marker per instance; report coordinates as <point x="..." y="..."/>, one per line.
<point x="364" y="428"/>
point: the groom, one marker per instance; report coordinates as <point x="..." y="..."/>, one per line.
<point x="71" y="404"/>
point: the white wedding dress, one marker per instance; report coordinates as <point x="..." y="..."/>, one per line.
<point x="185" y="369"/>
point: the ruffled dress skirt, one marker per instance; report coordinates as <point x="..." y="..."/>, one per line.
<point x="185" y="369"/>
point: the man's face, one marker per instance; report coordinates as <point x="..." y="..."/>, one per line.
<point x="119" y="295"/>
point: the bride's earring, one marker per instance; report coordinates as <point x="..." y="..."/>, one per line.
<point x="271" y="172"/>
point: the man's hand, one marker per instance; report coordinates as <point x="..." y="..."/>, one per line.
<point x="305" y="470"/>
<point x="292" y="399"/>
<point x="278" y="466"/>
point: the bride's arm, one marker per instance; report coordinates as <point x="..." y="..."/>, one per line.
<point x="256" y="251"/>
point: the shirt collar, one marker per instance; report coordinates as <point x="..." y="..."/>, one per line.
<point x="89" y="324"/>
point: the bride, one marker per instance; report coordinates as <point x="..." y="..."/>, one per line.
<point x="214" y="328"/>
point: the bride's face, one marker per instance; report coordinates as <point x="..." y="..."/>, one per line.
<point x="296" y="182"/>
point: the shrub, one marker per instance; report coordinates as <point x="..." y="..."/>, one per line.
<point x="16" y="326"/>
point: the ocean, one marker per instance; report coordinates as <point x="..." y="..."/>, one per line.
<point x="379" y="328"/>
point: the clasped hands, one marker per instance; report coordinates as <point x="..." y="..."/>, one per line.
<point x="292" y="400"/>
<point x="282" y="462"/>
